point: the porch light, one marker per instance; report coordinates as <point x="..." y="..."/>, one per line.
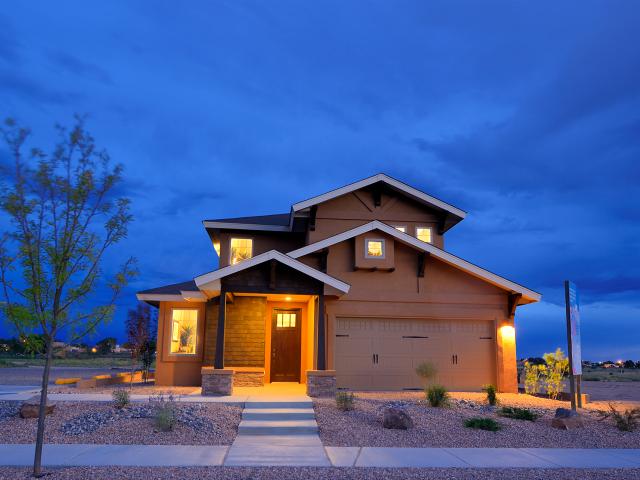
<point x="288" y="299"/>
<point x="508" y="333"/>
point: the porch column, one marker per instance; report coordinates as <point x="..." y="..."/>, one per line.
<point x="321" y="356"/>
<point x="219" y="360"/>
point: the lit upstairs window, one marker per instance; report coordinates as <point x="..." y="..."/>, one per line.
<point x="374" y="249"/>
<point x="241" y="249"/>
<point x="424" y="234"/>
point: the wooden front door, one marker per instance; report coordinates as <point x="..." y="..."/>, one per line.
<point x="285" y="345"/>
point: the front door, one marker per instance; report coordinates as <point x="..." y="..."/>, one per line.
<point x="285" y="345"/>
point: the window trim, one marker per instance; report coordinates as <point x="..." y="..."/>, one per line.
<point x="197" y="334"/>
<point x="425" y="227"/>
<point x="231" y="239"/>
<point x="398" y="227"/>
<point x="366" y="248"/>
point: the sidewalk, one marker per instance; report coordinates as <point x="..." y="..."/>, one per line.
<point x="206" y="456"/>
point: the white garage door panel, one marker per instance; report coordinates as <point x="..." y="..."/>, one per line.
<point x="382" y="354"/>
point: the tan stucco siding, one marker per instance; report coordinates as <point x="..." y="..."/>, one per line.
<point x="357" y="208"/>
<point x="181" y="370"/>
<point x="262" y="242"/>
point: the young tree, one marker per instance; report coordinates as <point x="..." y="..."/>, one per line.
<point x="141" y="336"/>
<point x="65" y="216"/>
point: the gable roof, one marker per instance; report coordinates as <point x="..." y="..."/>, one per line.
<point x="278" y="222"/>
<point x="211" y="280"/>
<point x="528" y="296"/>
<point x="402" y="187"/>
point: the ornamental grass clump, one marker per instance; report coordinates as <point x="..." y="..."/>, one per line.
<point x="482" y="423"/>
<point x="345" y="401"/>
<point x="437" y="396"/>
<point x="492" y="394"/>
<point x="120" y="398"/>
<point x="518" y="413"/>
<point x="166" y="415"/>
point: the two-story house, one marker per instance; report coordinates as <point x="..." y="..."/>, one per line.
<point x="354" y="286"/>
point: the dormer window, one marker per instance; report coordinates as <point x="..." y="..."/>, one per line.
<point x="374" y="248"/>
<point x="241" y="249"/>
<point x="424" y="234"/>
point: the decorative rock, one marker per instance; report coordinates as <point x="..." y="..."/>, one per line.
<point x="31" y="408"/>
<point x="566" y="419"/>
<point x="396" y="418"/>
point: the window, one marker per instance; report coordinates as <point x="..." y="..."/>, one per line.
<point x="374" y="248"/>
<point x="241" y="249"/>
<point x="286" y="320"/>
<point x="184" y="331"/>
<point x="424" y="234"/>
<point x="401" y="228"/>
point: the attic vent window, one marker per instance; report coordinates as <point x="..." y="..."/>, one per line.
<point x="241" y="249"/>
<point x="374" y="248"/>
<point x="424" y="234"/>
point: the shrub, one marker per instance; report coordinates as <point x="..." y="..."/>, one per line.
<point x="344" y="401"/>
<point x="427" y="372"/>
<point x="518" y="413"/>
<point x="482" y="423"/>
<point x="532" y="374"/>
<point x="120" y="398"/>
<point x="165" y="416"/>
<point x="626" y="421"/>
<point x="437" y="396"/>
<point x="492" y="394"/>
<point x="556" y="369"/>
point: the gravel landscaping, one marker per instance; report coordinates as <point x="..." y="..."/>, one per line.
<point x="280" y="473"/>
<point x="96" y="422"/>
<point x="444" y="427"/>
<point x="136" y="389"/>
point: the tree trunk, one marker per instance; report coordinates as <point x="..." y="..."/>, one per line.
<point x="37" y="461"/>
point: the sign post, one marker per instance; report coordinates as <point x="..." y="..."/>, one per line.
<point x="573" y="340"/>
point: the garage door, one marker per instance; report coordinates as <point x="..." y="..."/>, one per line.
<point x="382" y="354"/>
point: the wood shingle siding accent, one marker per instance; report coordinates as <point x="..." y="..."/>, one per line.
<point x="210" y="332"/>
<point x="244" y="332"/>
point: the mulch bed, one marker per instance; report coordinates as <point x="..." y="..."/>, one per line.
<point x="444" y="427"/>
<point x="101" y="423"/>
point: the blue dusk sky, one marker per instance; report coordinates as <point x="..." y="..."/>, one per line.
<point x="524" y="114"/>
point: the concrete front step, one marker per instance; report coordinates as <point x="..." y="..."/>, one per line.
<point x="277" y="427"/>
<point x="278" y="414"/>
<point x="275" y="404"/>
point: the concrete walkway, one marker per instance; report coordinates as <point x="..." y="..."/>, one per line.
<point x="279" y="431"/>
<point x="250" y="452"/>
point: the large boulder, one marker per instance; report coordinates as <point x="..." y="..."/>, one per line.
<point x="396" y="418"/>
<point x="31" y="408"/>
<point x="566" y="419"/>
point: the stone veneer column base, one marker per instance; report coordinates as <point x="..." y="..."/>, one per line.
<point x="217" y="381"/>
<point x="321" y="383"/>
<point x="248" y="376"/>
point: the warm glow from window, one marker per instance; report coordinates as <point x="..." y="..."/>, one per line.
<point x="374" y="248"/>
<point x="241" y="249"/>
<point x="285" y="320"/>
<point x="184" y="331"/>
<point x="424" y="234"/>
<point x="402" y="229"/>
